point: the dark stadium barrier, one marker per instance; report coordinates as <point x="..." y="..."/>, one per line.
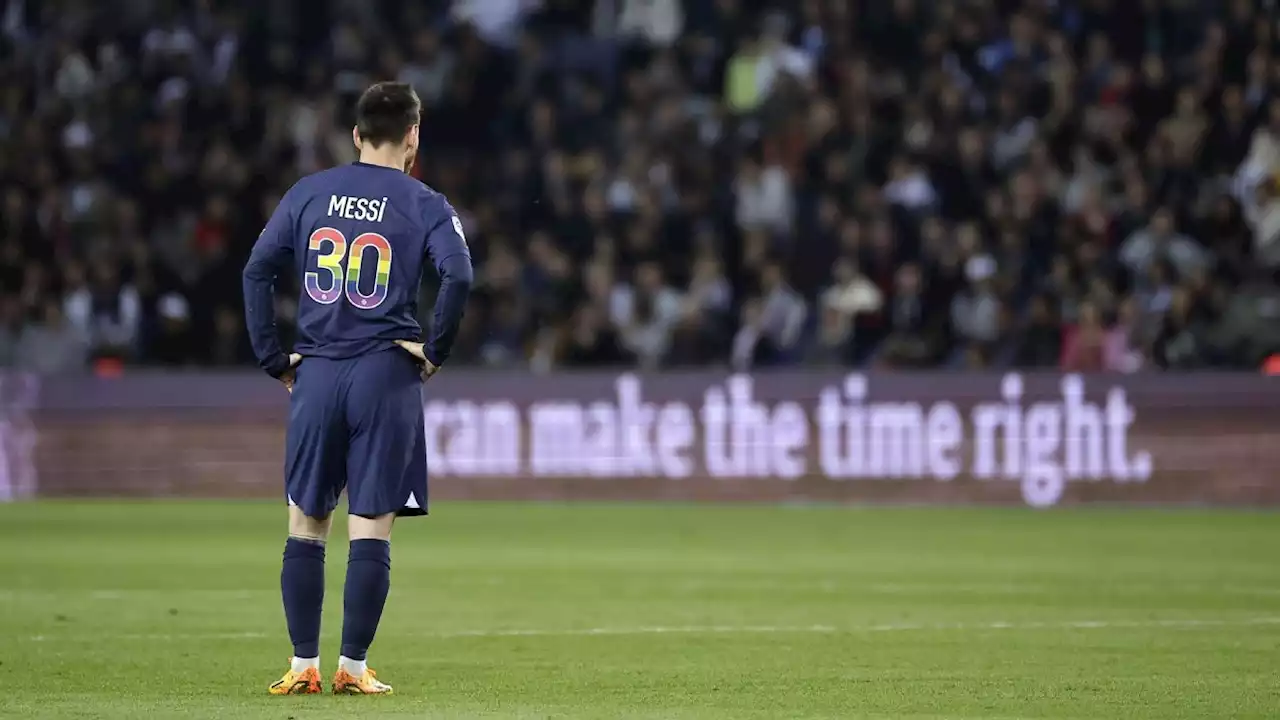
<point x="1039" y="439"/>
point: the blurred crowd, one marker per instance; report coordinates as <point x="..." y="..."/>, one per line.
<point x="1091" y="185"/>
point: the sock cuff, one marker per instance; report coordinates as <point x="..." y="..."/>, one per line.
<point x="351" y="652"/>
<point x="300" y="548"/>
<point x="371" y="550"/>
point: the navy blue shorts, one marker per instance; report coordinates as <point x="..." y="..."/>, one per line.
<point x="357" y="424"/>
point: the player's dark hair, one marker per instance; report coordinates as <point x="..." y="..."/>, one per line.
<point x="386" y="111"/>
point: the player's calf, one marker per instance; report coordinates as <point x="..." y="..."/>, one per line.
<point x="364" y="596"/>
<point x="302" y="590"/>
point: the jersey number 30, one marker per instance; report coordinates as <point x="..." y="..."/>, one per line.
<point x="332" y="279"/>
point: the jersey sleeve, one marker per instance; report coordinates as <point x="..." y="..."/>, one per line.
<point x="272" y="255"/>
<point x="448" y="252"/>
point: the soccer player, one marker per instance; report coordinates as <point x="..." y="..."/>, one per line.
<point x="358" y="236"/>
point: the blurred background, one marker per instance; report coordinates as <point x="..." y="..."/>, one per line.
<point x="1050" y="211"/>
<point x="1076" y="184"/>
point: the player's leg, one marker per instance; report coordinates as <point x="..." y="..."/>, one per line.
<point x="363" y="597"/>
<point x="302" y="591"/>
<point x="386" y="471"/>
<point x="315" y="464"/>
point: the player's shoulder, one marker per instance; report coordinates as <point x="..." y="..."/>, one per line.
<point x="436" y="207"/>
<point x="427" y="194"/>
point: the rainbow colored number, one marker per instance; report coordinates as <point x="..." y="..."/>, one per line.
<point x="382" y="273"/>
<point x="330" y="262"/>
<point x="339" y="278"/>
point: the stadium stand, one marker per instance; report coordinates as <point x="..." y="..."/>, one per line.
<point x="1081" y="184"/>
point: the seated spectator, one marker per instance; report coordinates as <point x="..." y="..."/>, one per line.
<point x="1264" y="219"/>
<point x="11" y="323"/>
<point x="764" y="197"/>
<point x="51" y="346"/>
<point x="851" y="297"/>
<point x="645" y="314"/>
<point x="1181" y="343"/>
<point x="1125" y="353"/>
<point x="705" y="316"/>
<point x="1039" y="344"/>
<point x="105" y="312"/>
<point x="977" y="313"/>
<point x="230" y="342"/>
<point x="772" y="323"/>
<point x="591" y="342"/>
<point x="1090" y="346"/>
<point x="173" y="344"/>
<point x="549" y="279"/>
<point x="656" y="22"/>
<point x="1160" y="240"/>
<point x="504" y="342"/>
<point x="909" y="186"/>
<point x="916" y="327"/>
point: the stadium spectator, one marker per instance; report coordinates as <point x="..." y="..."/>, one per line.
<point x="10" y="329"/>
<point x="916" y="326"/>
<point x="50" y="345"/>
<point x="705" y="321"/>
<point x="1264" y="219"/>
<point x="1039" y="344"/>
<point x="672" y="182"/>
<point x="654" y="22"/>
<point x="977" y="313"/>
<point x="1159" y="242"/>
<point x="772" y="322"/>
<point x="851" y="299"/>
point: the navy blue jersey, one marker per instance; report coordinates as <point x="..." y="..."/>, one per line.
<point x="358" y="237"/>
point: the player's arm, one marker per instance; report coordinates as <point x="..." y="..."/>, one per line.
<point x="271" y="256"/>
<point x="447" y="249"/>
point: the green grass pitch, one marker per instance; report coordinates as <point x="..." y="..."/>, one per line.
<point x="163" y="610"/>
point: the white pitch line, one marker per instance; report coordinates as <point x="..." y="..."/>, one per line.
<point x="646" y="630"/>
<point x="695" y="586"/>
<point x="737" y="629"/>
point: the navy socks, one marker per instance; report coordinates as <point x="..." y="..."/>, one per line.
<point x="365" y="593"/>
<point x="302" y="588"/>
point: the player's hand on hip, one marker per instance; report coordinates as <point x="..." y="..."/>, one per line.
<point x="428" y="369"/>
<point x="417" y="350"/>
<point x="291" y="374"/>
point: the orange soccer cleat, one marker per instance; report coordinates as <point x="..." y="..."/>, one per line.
<point x="306" y="682"/>
<point x="344" y="683"/>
